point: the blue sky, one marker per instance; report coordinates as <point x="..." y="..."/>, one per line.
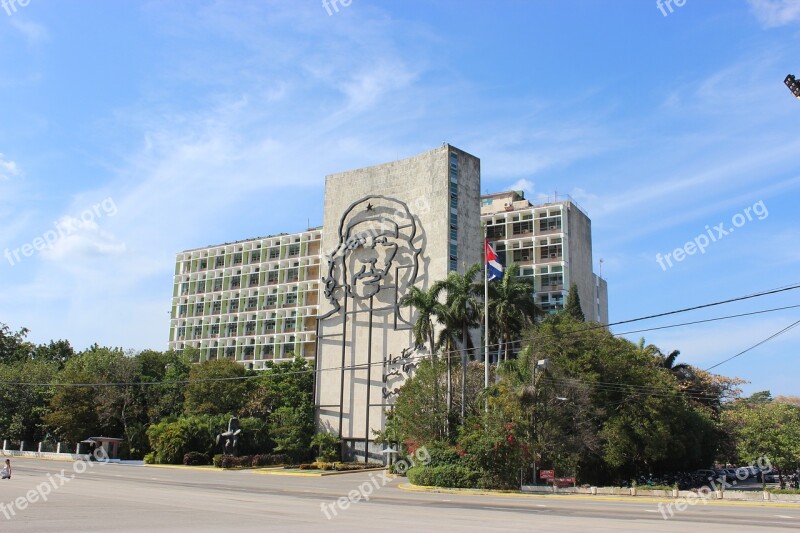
<point x="145" y="128"/>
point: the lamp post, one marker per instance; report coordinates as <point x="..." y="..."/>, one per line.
<point x="793" y="84"/>
<point x="543" y="364"/>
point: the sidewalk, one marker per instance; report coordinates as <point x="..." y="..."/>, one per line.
<point x="793" y="503"/>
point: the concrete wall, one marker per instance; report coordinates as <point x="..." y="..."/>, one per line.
<point x="579" y="266"/>
<point x="386" y="228"/>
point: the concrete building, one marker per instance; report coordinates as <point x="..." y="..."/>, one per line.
<point x="551" y="242"/>
<point x="251" y="301"/>
<point x="386" y="228"/>
<point x="332" y="293"/>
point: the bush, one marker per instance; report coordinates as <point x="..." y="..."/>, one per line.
<point x="150" y="458"/>
<point x="270" y="459"/>
<point x="217" y="460"/>
<point x="195" y="458"/>
<point x="171" y="440"/>
<point x="452" y="476"/>
<point x="784" y="491"/>
<point x="347" y="467"/>
<point x="329" y="446"/>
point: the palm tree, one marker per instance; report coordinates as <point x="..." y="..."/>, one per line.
<point x="429" y="309"/>
<point x="511" y="307"/>
<point x="462" y="314"/>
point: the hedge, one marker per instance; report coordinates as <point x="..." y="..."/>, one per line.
<point x="446" y="475"/>
<point x="249" y="461"/>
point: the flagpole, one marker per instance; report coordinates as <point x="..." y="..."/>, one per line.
<point x="486" y="357"/>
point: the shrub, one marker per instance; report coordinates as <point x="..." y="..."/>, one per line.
<point x="453" y="476"/>
<point x="329" y="446"/>
<point x="270" y="459"/>
<point x="217" y="460"/>
<point x="150" y="458"/>
<point x="784" y="491"/>
<point x="307" y="466"/>
<point x="346" y="467"/>
<point x="195" y="458"/>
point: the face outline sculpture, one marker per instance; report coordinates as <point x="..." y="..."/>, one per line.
<point x="377" y="253"/>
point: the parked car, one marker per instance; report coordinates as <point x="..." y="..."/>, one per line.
<point x="706" y="475"/>
<point x="726" y="474"/>
<point x="773" y="476"/>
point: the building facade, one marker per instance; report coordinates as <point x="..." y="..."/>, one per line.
<point x="250" y="301"/>
<point x="333" y="294"/>
<point x="551" y="242"/>
<point x="387" y="228"/>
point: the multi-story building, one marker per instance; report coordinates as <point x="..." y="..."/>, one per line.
<point x="251" y="301"/>
<point x="552" y="243"/>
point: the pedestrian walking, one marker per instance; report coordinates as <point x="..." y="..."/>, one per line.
<point x="5" y="473"/>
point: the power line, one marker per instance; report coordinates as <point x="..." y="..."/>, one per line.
<point x="779" y="333"/>
<point x="456" y="354"/>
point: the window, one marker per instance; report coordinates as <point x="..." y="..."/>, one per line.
<point x="550" y="223"/>
<point x="291" y="298"/>
<point x="220" y="262"/>
<point x="184" y="289"/>
<point x="292" y="274"/>
<point x="217" y="307"/>
<point x="485" y="202"/>
<point x="231" y="329"/>
<point x="201" y="287"/>
<point x="203" y="264"/>
<point x="268" y="350"/>
<point x="252" y="303"/>
<point x="550" y="252"/>
<point x="290" y="323"/>
<point x="237" y="258"/>
<point x="215" y="329"/>
<point x="294" y="250"/>
<point x="274" y="253"/>
<point x="521" y="228"/>
<point x="255" y="256"/>
<point x="182" y="310"/>
<point x="272" y="276"/>
<point x="253" y="280"/>
<point x="182" y="331"/>
<point x="217" y="284"/>
<point x="198" y="309"/>
<point x="453" y="201"/>
<point x="250" y="328"/>
<point x="236" y="282"/>
<point x="496" y="231"/>
<point x="198" y="331"/>
<point x="269" y="325"/>
<point x="272" y="299"/>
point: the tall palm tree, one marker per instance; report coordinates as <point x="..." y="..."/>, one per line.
<point x="463" y="304"/>
<point x="511" y="307"/>
<point x="429" y="309"/>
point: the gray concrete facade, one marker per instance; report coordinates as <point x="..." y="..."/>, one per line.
<point x="386" y="228"/>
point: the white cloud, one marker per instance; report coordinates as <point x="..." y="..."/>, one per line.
<point x="8" y="169"/>
<point x="523" y="185"/>
<point x="34" y="33"/>
<point x="82" y="239"/>
<point x="774" y="13"/>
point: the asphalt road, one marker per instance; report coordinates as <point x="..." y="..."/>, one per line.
<point x="116" y="497"/>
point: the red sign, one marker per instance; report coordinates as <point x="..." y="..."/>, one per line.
<point x="547" y="474"/>
<point x="564" y="481"/>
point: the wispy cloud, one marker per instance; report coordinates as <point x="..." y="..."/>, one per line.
<point x="774" y="13"/>
<point x="8" y="168"/>
<point x="33" y="32"/>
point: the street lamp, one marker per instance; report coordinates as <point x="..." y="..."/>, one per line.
<point x="793" y="84"/>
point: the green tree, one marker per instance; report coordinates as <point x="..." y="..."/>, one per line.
<point x="511" y="308"/>
<point x="461" y="313"/>
<point x="216" y="387"/>
<point x="573" y="305"/>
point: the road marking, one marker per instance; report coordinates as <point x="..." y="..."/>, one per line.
<point x="650" y="511"/>
<point x="447" y="500"/>
<point x="784" y="516"/>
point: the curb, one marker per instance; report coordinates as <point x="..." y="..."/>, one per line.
<point x="185" y="467"/>
<point x="316" y="474"/>
<point x="515" y="494"/>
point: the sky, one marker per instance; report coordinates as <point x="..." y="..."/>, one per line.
<point x="130" y="131"/>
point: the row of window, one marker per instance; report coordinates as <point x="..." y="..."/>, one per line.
<point x="290" y="275"/>
<point x="524" y="227"/>
<point x="453" y="212"/>
<point x="238" y="258"/>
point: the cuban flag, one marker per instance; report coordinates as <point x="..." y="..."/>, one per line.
<point x="494" y="270"/>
